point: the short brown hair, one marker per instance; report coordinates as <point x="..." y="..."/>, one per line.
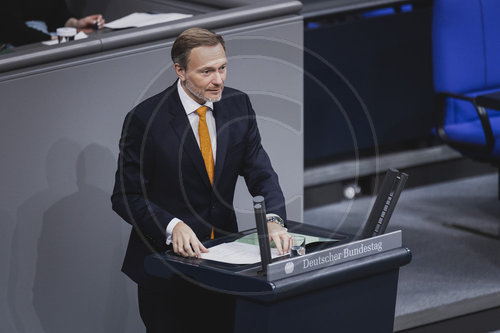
<point x="190" y="39"/>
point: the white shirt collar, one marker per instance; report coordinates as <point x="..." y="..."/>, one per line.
<point x="189" y="104"/>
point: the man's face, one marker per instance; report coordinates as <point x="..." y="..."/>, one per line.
<point x="205" y="73"/>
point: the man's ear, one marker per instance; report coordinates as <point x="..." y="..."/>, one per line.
<point x="181" y="72"/>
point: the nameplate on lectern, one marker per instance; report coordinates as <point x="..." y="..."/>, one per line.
<point x="334" y="255"/>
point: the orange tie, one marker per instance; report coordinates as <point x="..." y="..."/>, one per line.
<point x="206" y="146"/>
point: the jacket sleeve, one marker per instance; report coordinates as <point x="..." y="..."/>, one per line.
<point x="260" y="177"/>
<point x="132" y="179"/>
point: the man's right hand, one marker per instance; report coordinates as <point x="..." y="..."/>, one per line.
<point x="185" y="242"/>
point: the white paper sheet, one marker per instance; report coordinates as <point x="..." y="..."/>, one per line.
<point x="236" y="253"/>
<point x="78" y="36"/>
<point x="135" y="20"/>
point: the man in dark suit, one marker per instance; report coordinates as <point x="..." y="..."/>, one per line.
<point x="181" y="152"/>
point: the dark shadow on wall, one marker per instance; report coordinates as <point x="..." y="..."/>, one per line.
<point x="61" y="180"/>
<point x="78" y="286"/>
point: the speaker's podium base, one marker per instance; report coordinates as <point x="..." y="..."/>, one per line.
<point x="355" y="294"/>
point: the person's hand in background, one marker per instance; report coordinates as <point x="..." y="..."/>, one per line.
<point x="87" y="24"/>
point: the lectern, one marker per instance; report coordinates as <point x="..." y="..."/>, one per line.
<point x="343" y="286"/>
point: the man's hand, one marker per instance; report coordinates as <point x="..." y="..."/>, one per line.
<point x="280" y="236"/>
<point x="90" y="23"/>
<point x="86" y="24"/>
<point x="185" y="242"/>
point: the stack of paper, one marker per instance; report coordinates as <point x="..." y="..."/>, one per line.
<point x="236" y="253"/>
<point x="136" y="20"/>
<point x="246" y="249"/>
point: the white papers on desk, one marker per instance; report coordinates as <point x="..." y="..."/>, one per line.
<point x="80" y="35"/>
<point x="236" y="253"/>
<point x="136" y="20"/>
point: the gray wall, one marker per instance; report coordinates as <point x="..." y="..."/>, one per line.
<point x="61" y="246"/>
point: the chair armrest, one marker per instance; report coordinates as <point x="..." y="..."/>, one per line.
<point x="445" y="94"/>
<point x="489" y="101"/>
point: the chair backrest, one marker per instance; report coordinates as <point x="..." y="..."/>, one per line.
<point x="466" y="45"/>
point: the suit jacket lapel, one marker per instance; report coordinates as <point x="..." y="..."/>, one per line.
<point x="182" y="127"/>
<point x="221" y="122"/>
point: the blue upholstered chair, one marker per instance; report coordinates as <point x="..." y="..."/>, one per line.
<point x="466" y="60"/>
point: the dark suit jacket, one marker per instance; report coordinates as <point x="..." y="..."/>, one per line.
<point x="161" y="174"/>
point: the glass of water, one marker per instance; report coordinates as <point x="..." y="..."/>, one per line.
<point x="297" y="246"/>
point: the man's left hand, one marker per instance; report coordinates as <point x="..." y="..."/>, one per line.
<point x="280" y="236"/>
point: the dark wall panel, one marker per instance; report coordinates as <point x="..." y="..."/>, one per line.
<point x="368" y="83"/>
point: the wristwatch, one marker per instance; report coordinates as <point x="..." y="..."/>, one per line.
<point x="276" y="219"/>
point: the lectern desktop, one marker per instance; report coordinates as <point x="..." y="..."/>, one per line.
<point x="346" y="284"/>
